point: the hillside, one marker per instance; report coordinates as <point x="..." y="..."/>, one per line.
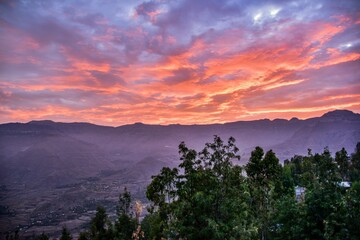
<point x="63" y="152"/>
<point x="46" y="164"/>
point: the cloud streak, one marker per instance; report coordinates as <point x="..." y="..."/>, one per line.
<point x="165" y="62"/>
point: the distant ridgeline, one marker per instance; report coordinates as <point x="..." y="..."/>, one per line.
<point x="208" y="197"/>
<point x="56" y="174"/>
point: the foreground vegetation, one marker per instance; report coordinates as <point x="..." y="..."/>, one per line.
<point x="208" y="197"/>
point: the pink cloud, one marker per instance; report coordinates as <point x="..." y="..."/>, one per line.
<point x="177" y="62"/>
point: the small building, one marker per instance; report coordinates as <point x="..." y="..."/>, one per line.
<point x="300" y="193"/>
<point x="345" y="184"/>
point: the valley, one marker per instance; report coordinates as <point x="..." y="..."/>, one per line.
<point x="56" y="174"/>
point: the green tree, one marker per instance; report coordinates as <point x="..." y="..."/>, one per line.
<point x="84" y="236"/>
<point x="152" y="227"/>
<point x="101" y="228"/>
<point x="326" y="168"/>
<point x="323" y="208"/>
<point x="287" y="182"/>
<point x="264" y="174"/>
<point x="14" y="236"/>
<point x="308" y="175"/>
<point x="43" y="236"/>
<point x="65" y="234"/>
<point x="343" y="161"/>
<point x="125" y="224"/>
<point x="288" y="220"/>
<point x="124" y="203"/>
<point x="162" y="191"/>
<point x="296" y="167"/>
<point x="353" y="211"/>
<point x="208" y="200"/>
<point x="355" y="164"/>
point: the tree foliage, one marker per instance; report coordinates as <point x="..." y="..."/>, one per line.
<point x="65" y="234"/>
<point x="264" y="175"/>
<point x="123" y="228"/>
<point x="125" y="224"/>
<point x="206" y="198"/>
<point x="209" y="196"/>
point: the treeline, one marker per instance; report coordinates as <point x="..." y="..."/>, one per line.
<point x="208" y="197"/>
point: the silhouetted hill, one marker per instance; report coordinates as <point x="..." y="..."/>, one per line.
<point x="341" y="115"/>
<point x="53" y="152"/>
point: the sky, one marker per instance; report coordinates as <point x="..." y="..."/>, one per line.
<point x="185" y="61"/>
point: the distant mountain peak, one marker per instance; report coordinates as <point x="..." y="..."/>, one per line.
<point x="41" y="122"/>
<point x="294" y="119"/>
<point x="341" y="114"/>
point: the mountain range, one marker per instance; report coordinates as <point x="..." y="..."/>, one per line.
<point x="60" y="153"/>
<point x="45" y="156"/>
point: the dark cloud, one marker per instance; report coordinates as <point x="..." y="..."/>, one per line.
<point x="90" y="20"/>
<point x="181" y="75"/>
<point x="147" y="8"/>
<point x="204" y="108"/>
<point x="279" y="73"/>
<point x="210" y="79"/>
<point x="198" y="96"/>
<point x="129" y="98"/>
<point x="333" y="76"/>
<point x="107" y="79"/>
<point x="75" y="99"/>
<point x="223" y="98"/>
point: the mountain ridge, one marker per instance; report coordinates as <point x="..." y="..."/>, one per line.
<point x="118" y="147"/>
<point x="338" y="113"/>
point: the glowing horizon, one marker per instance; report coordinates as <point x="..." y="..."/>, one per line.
<point x="168" y="62"/>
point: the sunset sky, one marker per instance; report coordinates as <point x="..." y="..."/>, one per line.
<point x="186" y="61"/>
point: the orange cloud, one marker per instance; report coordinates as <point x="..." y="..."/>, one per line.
<point x="213" y="64"/>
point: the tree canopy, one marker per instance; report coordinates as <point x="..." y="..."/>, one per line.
<point x="210" y="196"/>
